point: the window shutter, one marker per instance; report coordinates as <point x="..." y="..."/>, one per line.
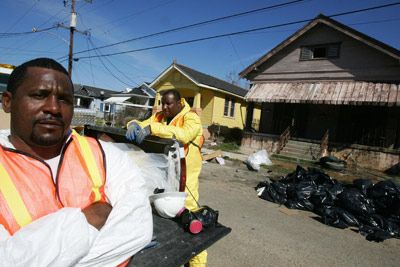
<point x="305" y="53"/>
<point x="333" y="50"/>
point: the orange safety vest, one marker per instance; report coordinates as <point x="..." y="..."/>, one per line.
<point x="27" y="190"/>
<point x="179" y="123"/>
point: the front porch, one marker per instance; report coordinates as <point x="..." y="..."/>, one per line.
<point x="366" y="136"/>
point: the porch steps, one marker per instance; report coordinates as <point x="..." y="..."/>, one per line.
<point x="301" y="150"/>
<point x="291" y="159"/>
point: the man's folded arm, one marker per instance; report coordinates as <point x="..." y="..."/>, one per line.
<point x="129" y="226"/>
<point x="58" y="239"/>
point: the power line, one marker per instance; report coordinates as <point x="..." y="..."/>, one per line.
<point x="90" y="62"/>
<point x="198" y="24"/>
<point x="105" y="66"/>
<point x="242" y="32"/>
<point x="34" y="30"/>
<point x="23" y="16"/>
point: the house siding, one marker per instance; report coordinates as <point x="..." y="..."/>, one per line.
<point x="175" y="80"/>
<point x="357" y="61"/>
<point x="207" y="105"/>
<point x="239" y="118"/>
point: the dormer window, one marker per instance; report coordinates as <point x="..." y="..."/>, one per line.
<point x="323" y="51"/>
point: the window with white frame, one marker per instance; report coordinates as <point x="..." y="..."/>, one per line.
<point x="229" y="107"/>
<point x="107" y="107"/>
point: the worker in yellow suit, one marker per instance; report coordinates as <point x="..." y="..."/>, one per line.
<point x="177" y="121"/>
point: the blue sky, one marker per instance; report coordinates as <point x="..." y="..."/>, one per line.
<point x="111" y="21"/>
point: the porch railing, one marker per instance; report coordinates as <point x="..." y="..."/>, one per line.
<point x="324" y="144"/>
<point x="283" y="139"/>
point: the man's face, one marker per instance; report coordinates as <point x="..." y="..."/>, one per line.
<point x="170" y="106"/>
<point x="41" y="108"/>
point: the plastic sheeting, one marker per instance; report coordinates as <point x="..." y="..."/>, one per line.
<point x="373" y="208"/>
<point x="158" y="170"/>
<point x="258" y="158"/>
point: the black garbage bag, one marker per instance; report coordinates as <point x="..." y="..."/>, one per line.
<point x="393" y="227"/>
<point x="320" y="197"/>
<point x="269" y="193"/>
<point x="334" y="190"/>
<point x="304" y="189"/>
<point x="261" y="184"/>
<point x="383" y="188"/>
<point x="373" y="220"/>
<point x="280" y="188"/>
<point x="373" y="233"/>
<point x="300" y="190"/>
<point x="298" y="175"/>
<point x="342" y="217"/>
<point x="363" y="185"/>
<point x="377" y="222"/>
<point x="386" y="197"/>
<point x="319" y="177"/>
<point x="304" y="204"/>
<point x="330" y="217"/>
<point x="354" y="201"/>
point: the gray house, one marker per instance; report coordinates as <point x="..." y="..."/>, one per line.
<point x="89" y="104"/>
<point x="328" y="89"/>
<point x="134" y="103"/>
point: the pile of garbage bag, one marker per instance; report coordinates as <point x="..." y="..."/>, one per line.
<point x="373" y="208"/>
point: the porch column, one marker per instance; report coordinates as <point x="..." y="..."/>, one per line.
<point x="249" y="116"/>
<point x="197" y="103"/>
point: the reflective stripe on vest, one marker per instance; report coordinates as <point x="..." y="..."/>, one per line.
<point x="87" y="157"/>
<point x="27" y="189"/>
<point x="179" y="121"/>
<point x="13" y="199"/>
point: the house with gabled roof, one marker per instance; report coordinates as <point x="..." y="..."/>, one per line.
<point x="133" y="103"/>
<point x="89" y="104"/>
<point x="220" y="104"/>
<point x="328" y="89"/>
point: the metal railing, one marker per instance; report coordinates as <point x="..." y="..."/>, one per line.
<point x="324" y="144"/>
<point x="283" y="139"/>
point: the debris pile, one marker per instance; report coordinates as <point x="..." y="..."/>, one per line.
<point x="373" y="208"/>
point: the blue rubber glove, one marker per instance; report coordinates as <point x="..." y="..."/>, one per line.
<point x="133" y="128"/>
<point x="142" y="134"/>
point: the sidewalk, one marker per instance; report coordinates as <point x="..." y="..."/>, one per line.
<point x="231" y="155"/>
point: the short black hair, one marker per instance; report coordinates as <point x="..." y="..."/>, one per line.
<point x="18" y="75"/>
<point x="176" y="94"/>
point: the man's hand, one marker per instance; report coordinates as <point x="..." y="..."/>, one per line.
<point x="142" y="134"/>
<point x="97" y="213"/>
<point x="136" y="133"/>
<point x="133" y="128"/>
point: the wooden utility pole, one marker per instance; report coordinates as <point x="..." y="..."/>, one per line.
<point x="72" y="27"/>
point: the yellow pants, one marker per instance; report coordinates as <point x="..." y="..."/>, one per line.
<point x="193" y="168"/>
<point x="199" y="260"/>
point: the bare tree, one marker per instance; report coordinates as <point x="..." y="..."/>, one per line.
<point x="233" y="78"/>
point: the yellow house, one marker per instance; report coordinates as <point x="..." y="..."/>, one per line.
<point x="220" y="105"/>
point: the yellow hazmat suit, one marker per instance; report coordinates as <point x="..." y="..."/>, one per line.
<point x="188" y="131"/>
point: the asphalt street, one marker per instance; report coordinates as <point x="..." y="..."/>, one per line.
<point x="266" y="234"/>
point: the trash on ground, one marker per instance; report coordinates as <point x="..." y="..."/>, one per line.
<point x="373" y="208"/>
<point x="213" y="144"/>
<point x="333" y="163"/>
<point x="220" y="160"/>
<point x="212" y="155"/>
<point x="256" y="159"/>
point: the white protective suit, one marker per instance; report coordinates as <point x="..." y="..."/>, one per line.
<point x="65" y="238"/>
